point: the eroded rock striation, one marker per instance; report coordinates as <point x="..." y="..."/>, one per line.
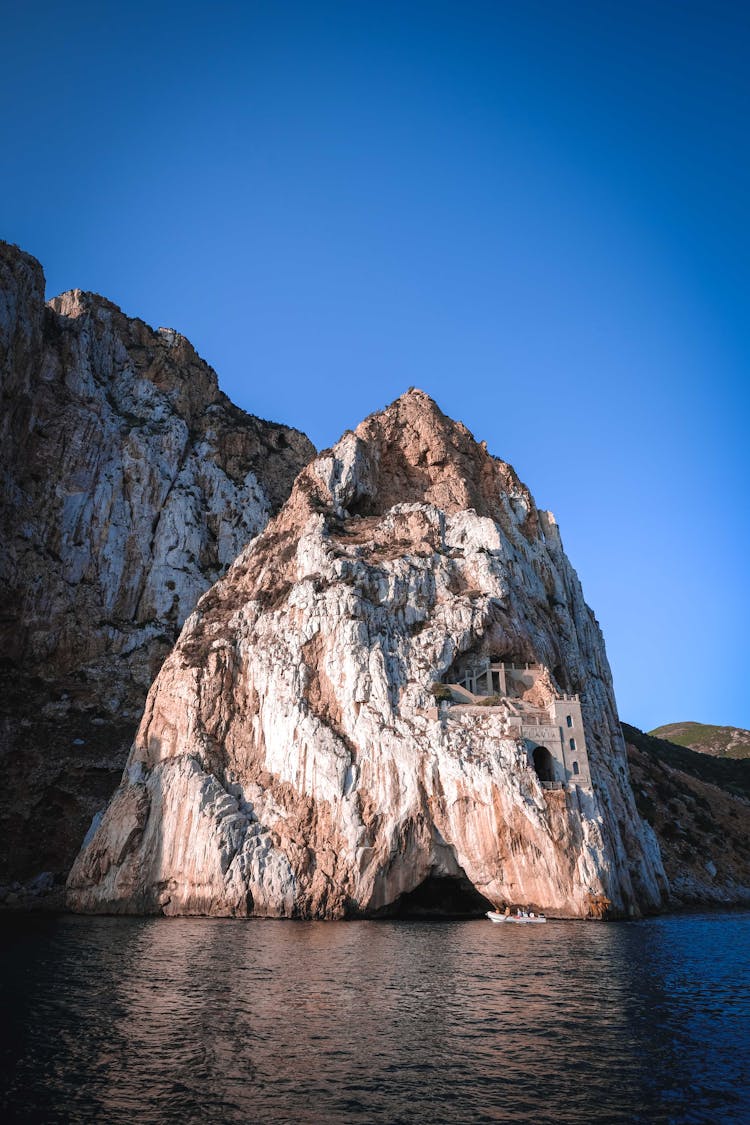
<point x="292" y="760"/>
<point x="128" y="483"/>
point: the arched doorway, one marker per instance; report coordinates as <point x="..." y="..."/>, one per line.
<point x="544" y="763"/>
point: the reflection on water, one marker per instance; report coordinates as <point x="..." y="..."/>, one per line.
<point x="116" y="1020"/>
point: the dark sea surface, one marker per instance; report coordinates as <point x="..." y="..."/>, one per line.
<point x="188" y="1020"/>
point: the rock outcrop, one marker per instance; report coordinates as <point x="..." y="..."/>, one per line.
<point x="291" y="760"/>
<point x="128" y="483"/>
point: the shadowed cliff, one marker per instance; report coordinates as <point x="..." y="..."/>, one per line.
<point x="128" y="483"/>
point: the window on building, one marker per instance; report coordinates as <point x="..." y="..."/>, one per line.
<point x="575" y="767"/>
<point x="572" y="744"/>
<point x="569" y="720"/>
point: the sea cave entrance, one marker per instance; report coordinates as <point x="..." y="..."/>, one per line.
<point x="544" y="763"/>
<point x="440" y="896"/>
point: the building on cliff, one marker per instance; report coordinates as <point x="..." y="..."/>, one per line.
<point x="549" y="725"/>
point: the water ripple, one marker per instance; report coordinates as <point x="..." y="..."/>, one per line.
<point x="111" y="1020"/>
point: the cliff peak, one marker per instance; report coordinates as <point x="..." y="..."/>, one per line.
<point x="11" y="253"/>
<point x="73" y="303"/>
<point x="415" y="408"/>
<point x="411" y="452"/>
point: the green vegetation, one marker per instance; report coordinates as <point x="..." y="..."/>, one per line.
<point x="721" y="742"/>
<point x="441" y="693"/>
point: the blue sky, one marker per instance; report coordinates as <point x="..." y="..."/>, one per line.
<point x="536" y="212"/>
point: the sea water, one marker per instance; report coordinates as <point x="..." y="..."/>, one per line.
<point x="201" y="1020"/>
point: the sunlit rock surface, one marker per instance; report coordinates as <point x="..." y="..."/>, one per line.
<point x="128" y="483"/>
<point x="291" y="761"/>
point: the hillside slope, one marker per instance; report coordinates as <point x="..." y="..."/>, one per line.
<point x="699" y="808"/>
<point x="720" y="742"/>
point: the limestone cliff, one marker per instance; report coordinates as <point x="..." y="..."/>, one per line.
<point x="291" y="760"/>
<point x="128" y="483"/>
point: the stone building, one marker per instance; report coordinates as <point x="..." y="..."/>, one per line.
<point x="550" y="725"/>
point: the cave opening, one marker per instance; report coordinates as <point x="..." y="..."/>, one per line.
<point x="543" y="763"/>
<point x="440" y="896"/>
<point x="361" y="505"/>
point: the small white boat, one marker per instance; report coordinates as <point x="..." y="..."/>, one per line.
<point x="517" y="919"/>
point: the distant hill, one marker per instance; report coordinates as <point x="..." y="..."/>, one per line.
<point x="698" y="805"/>
<point x="732" y="775"/>
<point x="720" y="742"/>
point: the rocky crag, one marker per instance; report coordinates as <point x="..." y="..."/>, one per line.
<point x="128" y="483"/>
<point x="291" y="760"/>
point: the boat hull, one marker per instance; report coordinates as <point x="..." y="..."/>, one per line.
<point x="514" y="919"/>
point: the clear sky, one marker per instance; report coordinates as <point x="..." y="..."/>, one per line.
<point x="536" y="212"/>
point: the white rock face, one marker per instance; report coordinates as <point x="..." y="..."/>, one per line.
<point x="128" y="483"/>
<point x="290" y="761"/>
